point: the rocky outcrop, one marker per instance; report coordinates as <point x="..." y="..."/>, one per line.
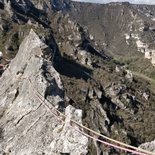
<point x="60" y="4"/>
<point x="75" y="145"/>
<point x="42" y="5"/>
<point x="1" y="54"/>
<point x="7" y="6"/>
<point x="27" y="124"/>
<point x="149" y="53"/>
<point x="79" y="41"/>
<point x="150" y="146"/>
<point x="153" y="58"/>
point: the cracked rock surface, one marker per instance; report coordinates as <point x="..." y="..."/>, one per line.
<point x="26" y="124"/>
<point x="150" y="146"/>
<point x="81" y="59"/>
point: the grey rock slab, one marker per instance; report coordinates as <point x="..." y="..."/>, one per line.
<point x="26" y="124"/>
<point x="76" y="144"/>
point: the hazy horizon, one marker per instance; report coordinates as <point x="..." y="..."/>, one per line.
<point x="150" y="2"/>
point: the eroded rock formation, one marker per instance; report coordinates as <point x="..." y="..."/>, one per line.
<point x="77" y="58"/>
<point x="150" y="146"/>
<point x="27" y="125"/>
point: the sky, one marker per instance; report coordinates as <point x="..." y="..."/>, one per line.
<point x="151" y="2"/>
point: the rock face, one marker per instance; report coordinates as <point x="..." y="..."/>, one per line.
<point x="73" y="64"/>
<point x="77" y="144"/>
<point x="26" y="123"/>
